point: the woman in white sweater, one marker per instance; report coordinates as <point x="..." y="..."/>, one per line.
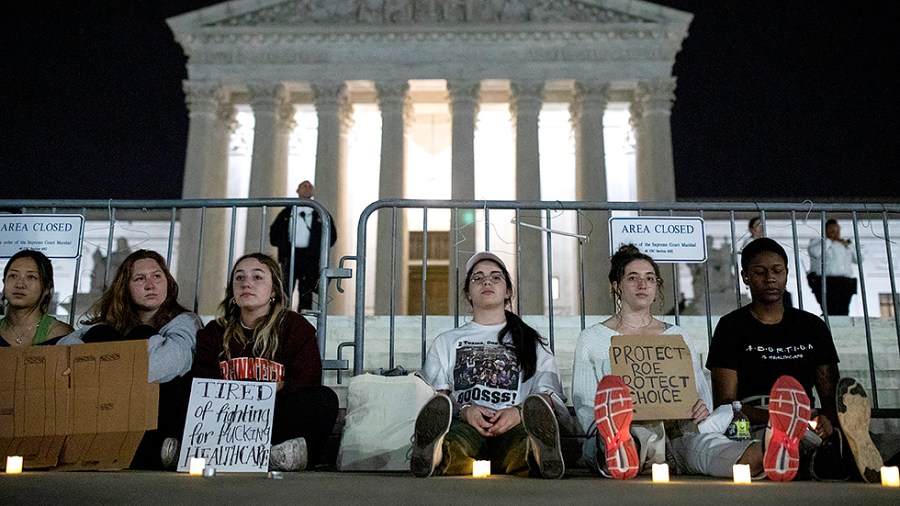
<point x="603" y="405"/>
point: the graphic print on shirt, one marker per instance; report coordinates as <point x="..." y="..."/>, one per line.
<point x="486" y="374"/>
<point x="793" y="352"/>
<point x="254" y="369"/>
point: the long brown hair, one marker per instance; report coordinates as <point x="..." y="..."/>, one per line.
<point x="266" y="336"/>
<point x="115" y="306"/>
<point x="525" y="339"/>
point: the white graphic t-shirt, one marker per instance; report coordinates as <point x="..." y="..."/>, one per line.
<point x="477" y="369"/>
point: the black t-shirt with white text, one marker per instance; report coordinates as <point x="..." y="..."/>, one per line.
<point x="760" y="353"/>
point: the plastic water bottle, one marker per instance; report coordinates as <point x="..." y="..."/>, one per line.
<point x="739" y="429"/>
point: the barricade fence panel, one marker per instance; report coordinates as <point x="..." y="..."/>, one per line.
<point x="407" y="284"/>
<point x="560" y="251"/>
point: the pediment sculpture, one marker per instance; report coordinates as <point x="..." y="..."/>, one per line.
<point x="406" y="12"/>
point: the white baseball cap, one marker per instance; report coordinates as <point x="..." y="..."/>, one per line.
<point x="483" y="255"/>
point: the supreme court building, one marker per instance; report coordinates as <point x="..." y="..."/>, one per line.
<point x="428" y="99"/>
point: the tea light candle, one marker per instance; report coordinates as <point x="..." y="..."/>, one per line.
<point x="660" y="473"/>
<point x="481" y="469"/>
<point x="197" y="465"/>
<point x="889" y="476"/>
<point x="14" y="465"/>
<point x="741" y="473"/>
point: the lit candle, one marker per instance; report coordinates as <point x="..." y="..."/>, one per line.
<point x="197" y="465"/>
<point x="660" y="473"/>
<point x="741" y="473"/>
<point x="889" y="476"/>
<point x="481" y="469"/>
<point x="14" y="465"/>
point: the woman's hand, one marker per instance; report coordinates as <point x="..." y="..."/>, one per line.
<point x="504" y="420"/>
<point x="478" y="417"/>
<point x="700" y="412"/>
<point x="824" y="427"/>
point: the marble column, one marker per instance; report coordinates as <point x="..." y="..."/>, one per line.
<point x="651" y="114"/>
<point x="202" y="275"/>
<point x="525" y="107"/>
<point x="650" y="119"/>
<point x="464" y="97"/>
<point x="393" y="100"/>
<point x="333" y="111"/>
<point x="274" y="118"/>
<point x="590" y="184"/>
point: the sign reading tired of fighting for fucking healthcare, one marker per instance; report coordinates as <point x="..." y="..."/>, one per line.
<point x="659" y="373"/>
<point x="666" y="239"/>
<point x="54" y="235"/>
<point x="229" y="423"/>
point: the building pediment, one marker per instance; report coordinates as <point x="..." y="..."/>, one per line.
<point x="363" y="13"/>
<point x="431" y="39"/>
<point x="381" y="12"/>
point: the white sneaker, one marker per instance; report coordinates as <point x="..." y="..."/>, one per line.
<point x="168" y="453"/>
<point x="290" y="455"/>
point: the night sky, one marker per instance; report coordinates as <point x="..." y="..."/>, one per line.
<point x="776" y="100"/>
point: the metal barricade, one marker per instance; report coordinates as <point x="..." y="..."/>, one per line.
<point x="790" y="216"/>
<point x="875" y="223"/>
<point x="115" y="212"/>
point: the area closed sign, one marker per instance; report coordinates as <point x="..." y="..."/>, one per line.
<point x="665" y="239"/>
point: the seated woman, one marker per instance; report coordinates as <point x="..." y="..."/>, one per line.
<point x="27" y="290"/>
<point x="496" y="383"/>
<point x="766" y="352"/>
<point x="606" y="408"/>
<point x="142" y="303"/>
<point x="255" y="337"/>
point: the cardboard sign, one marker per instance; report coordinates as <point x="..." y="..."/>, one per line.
<point x="55" y="235"/>
<point x="81" y="407"/>
<point x="659" y="373"/>
<point x="665" y="239"/>
<point x="229" y="423"/>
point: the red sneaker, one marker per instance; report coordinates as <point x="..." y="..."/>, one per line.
<point x="613" y="410"/>
<point x="788" y="420"/>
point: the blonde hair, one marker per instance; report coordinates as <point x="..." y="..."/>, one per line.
<point x="265" y="337"/>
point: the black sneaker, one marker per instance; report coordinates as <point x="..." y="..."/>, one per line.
<point x="854" y="412"/>
<point x="432" y="424"/>
<point x="828" y="462"/>
<point x="168" y="454"/>
<point x="543" y="436"/>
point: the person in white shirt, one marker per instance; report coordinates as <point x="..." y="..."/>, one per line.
<point x="305" y="241"/>
<point x="615" y="446"/>
<point x="837" y="255"/>
<point x="497" y="384"/>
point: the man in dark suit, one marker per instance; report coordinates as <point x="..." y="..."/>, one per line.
<point x="306" y="242"/>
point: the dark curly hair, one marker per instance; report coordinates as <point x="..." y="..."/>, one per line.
<point x="626" y="254"/>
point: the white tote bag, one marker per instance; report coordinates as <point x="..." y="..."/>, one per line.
<point x="380" y="420"/>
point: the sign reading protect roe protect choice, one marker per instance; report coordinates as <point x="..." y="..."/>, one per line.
<point x="665" y="239"/>
<point x="659" y="372"/>
<point x="55" y="235"/>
